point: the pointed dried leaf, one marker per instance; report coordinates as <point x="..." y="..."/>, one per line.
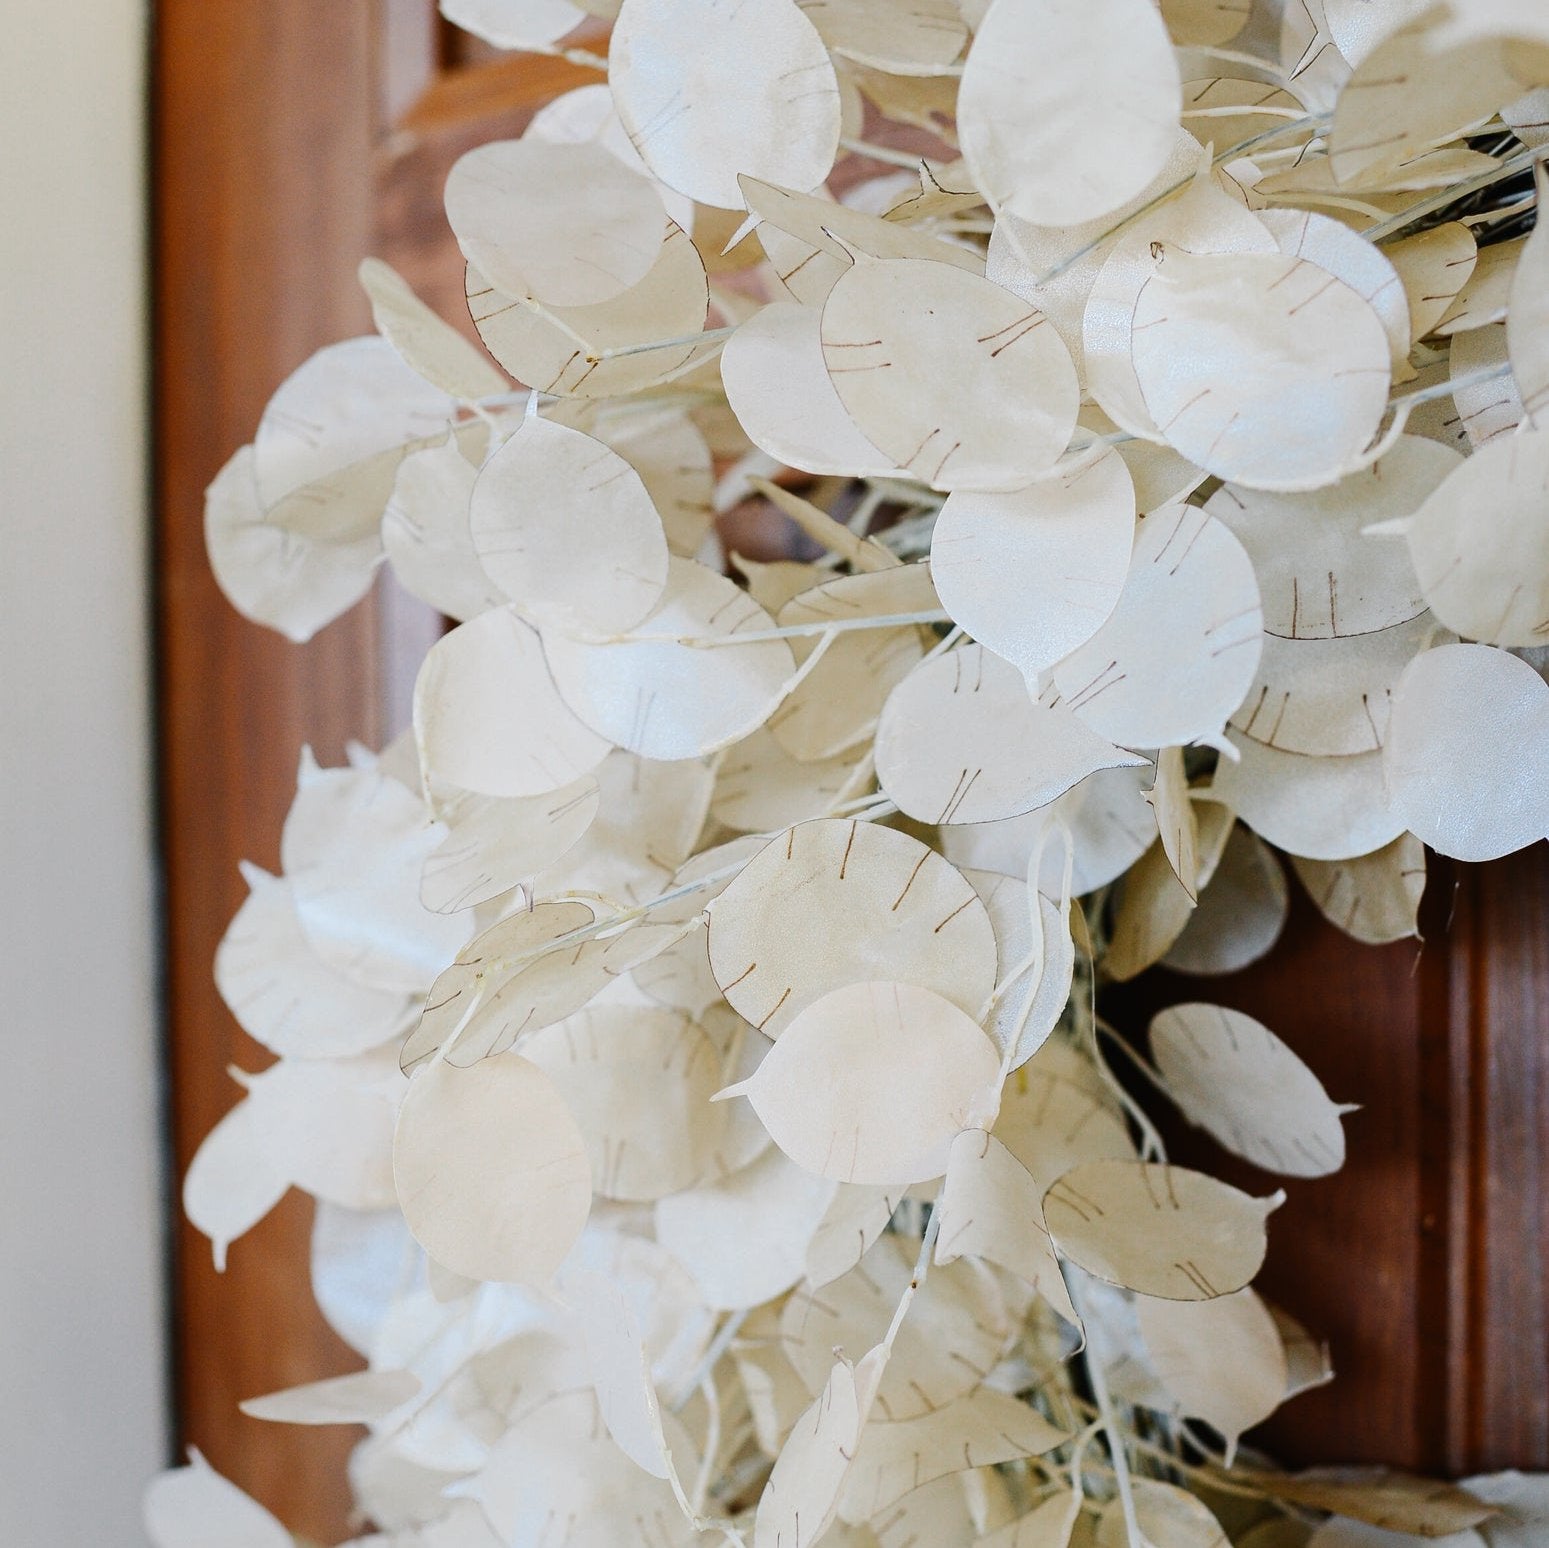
<point x="359" y="1398"/>
<point x="1159" y="1230"/>
<point x="1373" y="898"/>
<point x="1241" y="911"/>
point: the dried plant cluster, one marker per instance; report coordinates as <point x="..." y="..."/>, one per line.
<point x="689" y="1034"/>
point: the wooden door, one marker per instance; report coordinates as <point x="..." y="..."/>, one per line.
<point x="293" y="138"/>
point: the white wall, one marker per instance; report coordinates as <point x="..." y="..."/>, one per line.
<point x="82" y="1401"/>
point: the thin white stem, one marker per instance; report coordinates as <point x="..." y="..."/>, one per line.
<point x="1095" y="1373"/>
<point x="787" y="632"/>
<point x="704" y="336"/>
<point x="894" y="158"/>
<point x="724" y="1335"/>
<point x="1443" y="197"/>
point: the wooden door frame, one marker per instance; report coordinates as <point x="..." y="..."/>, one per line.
<point x="290" y="139"/>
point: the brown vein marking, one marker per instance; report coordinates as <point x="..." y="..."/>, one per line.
<point x="1190" y="1271"/>
<point x="1077" y="1202"/>
<point x="777" y="1004"/>
<point x="1199" y="527"/>
<point x="1370" y="721"/>
<point x="1221" y="434"/>
<point x="1308" y="300"/>
<point x="727" y="988"/>
<point x="955" y="912"/>
<point x="1204" y="392"/>
<point x="959" y="794"/>
<point x="790" y="842"/>
<point x="849" y="845"/>
<point x="918" y="864"/>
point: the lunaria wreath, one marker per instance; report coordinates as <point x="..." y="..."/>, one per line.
<point x="690" y="1031"/>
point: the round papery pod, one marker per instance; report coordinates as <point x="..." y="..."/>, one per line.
<point x="1223" y="1361"/>
<point x="678" y="685"/>
<point x="759" y="787"/>
<point x="744" y="1237"/>
<point x="961" y="740"/>
<point x="1231" y="1075"/>
<point x="558" y="1462"/>
<point x="1314" y="808"/>
<point x="1318" y="575"/>
<point x="708" y="93"/>
<point x="1373" y="898"/>
<point x="1051" y="1123"/>
<point x="1181" y="647"/>
<point x="1262" y="370"/>
<point x="780" y="390"/>
<point x="639" y="1081"/>
<point x="1485" y="400"/>
<point x="835" y="902"/>
<point x="491" y="1169"/>
<point x="870" y="1082"/>
<point x="959" y="382"/>
<point x="1168" y="1517"/>
<point x="1480" y="543"/>
<point x="532" y="24"/>
<point x="1204" y="218"/>
<point x="949" y="1342"/>
<point x="1353" y="260"/>
<point x="1241" y="911"/>
<point x="564" y="526"/>
<point x="284" y="994"/>
<point x="281" y="579"/>
<point x="925" y="41"/>
<point x="1467" y="752"/>
<point x="1157" y="1229"/>
<point x="488" y="717"/>
<point x="569" y="225"/>
<point x="1065" y="111"/>
<point x="833" y="708"/>
<point x="1034" y="573"/>
<point x="1433" y="266"/>
<point x="562" y="349"/>
<point x="1108" y="819"/>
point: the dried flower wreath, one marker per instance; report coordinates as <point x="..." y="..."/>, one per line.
<point x="689" y="1033"/>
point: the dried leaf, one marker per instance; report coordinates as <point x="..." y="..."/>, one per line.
<point x="1263" y="370"/>
<point x="983" y="1429"/>
<point x="1480" y="543"/>
<point x="744" y="1238"/>
<point x="870" y="1082"/>
<point x="855" y="1219"/>
<point x="1434" y="266"/>
<point x="759" y="787"/>
<point x="491" y="1169"/>
<point x="360" y="1398"/>
<point x="488" y="717"/>
<point x="680" y="684"/>
<point x="778" y="387"/>
<point x="1315" y="808"/>
<point x="492" y="846"/>
<point x="1331" y="581"/>
<point x="1241" y="911"/>
<point x="951" y="1339"/>
<point x="639" y="1084"/>
<point x="1177" y="823"/>
<point x="274" y="576"/>
<point x="1048" y="1526"/>
<point x="1034" y="573"/>
<point x="565" y="349"/>
<point x="426" y="343"/>
<point x="1180" y="649"/>
<point x="284" y="994"/>
<point x="1381" y="1497"/>
<point x="1066" y="113"/>
<point x="834" y="903"/>
<point x="992" y="1208"/>
<point x="1168" y="1517"/>
<point x="1159" y="1230"/>
<point x="923" y="40"/>
<point x="1051" y="1123"/>
<point x="568" y="225"/>
<point x="515" y="23"/>
<point x="756" y="94"/>
<point x="1373" y="898"/>
<point x="565" y="528"/>
<point x="956" y="380"/>
<point x="1222" y="1360"/>
<point x="1467" y="753"/>
<point x="961" y="740"/>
